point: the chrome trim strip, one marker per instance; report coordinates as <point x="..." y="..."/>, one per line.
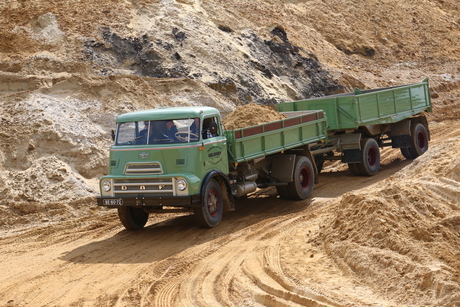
<point x="144" y="191"/>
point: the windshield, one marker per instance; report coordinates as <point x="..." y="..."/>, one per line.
<point x="158" y="132"/>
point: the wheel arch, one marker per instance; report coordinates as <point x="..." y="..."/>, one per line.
<point x="305" y="151"/>
<point x="224" y="184"/>
<point x="422" y="120"/>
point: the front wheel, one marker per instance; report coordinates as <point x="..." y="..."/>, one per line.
<point x="132" y="218"/>
<point x="304" y="178"/>
<point x="212" y="206"/>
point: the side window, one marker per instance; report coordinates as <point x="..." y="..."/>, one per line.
<point x="128" y="133"/>
<point x="210" y="127"/>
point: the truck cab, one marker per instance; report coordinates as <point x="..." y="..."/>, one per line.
<point x="162" y="161"/>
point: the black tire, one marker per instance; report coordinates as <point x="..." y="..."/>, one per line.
<point x="354" y="169"/>
<point x="212" y="206"/>
<point x="407" y="153"/>
<point x="283" y="191"/>
<point x="304" y="179"/>
<point x="132" y="218"/>
<point x="370" y="158"/>
<point x="419" y="142"/>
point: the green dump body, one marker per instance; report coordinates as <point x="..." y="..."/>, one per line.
<point x="367" y="107"/>
<point x="300" y="128"/>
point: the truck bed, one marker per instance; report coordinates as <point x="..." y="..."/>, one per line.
<point x="367" y="107"/>
<point x="298" y="129"/>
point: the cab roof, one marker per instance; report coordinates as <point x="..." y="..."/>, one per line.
<point x="167" y="113"/>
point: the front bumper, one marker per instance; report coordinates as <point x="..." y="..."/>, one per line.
<point x="192" y="201"/>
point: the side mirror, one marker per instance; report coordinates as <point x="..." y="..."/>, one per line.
<point x="113" y="135"/>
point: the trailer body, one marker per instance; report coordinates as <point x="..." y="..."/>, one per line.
<point x="299" y="129"/>
<point x="367" y="107"/>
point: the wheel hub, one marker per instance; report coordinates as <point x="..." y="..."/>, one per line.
<point x="212" y="202"/>
<point x="304" y="178"/>
<point x="372" y="157"/>
<point x="421" y="140"/>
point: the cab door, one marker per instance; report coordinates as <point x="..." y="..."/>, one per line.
<point x="214" y="145"/>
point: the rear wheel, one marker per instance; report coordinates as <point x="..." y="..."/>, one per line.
<point x="283" y="191"/>
<point x="419" y="142"/>
<point x="132" y="218"/>
<point x="370" y="158"/>
<point x="212" y="206"/>
<point x="354" y="169"/>
<point x="304" y="179"/>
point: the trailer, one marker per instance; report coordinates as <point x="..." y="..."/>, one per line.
<point x="182" y="160"/>
<point x="361" y="122"/>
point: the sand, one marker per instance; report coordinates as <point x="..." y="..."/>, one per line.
<point x="250" y="115"/>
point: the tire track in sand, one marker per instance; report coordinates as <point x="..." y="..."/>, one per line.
<point x="250" y="256"/>
<point x="276" y="288"/>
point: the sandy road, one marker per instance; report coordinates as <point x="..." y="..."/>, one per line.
<point x="263" y="254"/>
<point x="94" y="261"/>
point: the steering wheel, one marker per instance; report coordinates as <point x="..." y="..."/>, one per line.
<point x="184" y="136"/>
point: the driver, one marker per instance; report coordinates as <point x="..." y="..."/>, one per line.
<point x="171" y="130"/>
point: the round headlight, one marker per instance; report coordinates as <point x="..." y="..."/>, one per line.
<point x="181" y="184"/>
<point x="106" y="186"/>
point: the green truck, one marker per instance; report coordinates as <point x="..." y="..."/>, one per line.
<point x="181" y="159"/>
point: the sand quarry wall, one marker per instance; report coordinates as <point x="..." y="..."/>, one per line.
<point x="68" y="68"/>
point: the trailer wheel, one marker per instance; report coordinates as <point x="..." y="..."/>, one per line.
<point x="132" y="218"/>
<point x="419" y="142"/>
<point x="304" y="179"/>
<point x="212" y="206"/>
<point x="406" y="153"/>
<point x="370" y="158"/>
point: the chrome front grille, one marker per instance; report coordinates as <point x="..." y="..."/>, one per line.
<point x="144" y="187"/>
<point x="150" y="168"/>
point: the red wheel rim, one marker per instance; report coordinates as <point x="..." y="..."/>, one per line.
<point x="421" y="140"/>
<point x="213" y="202"/>
<point x="372" y="157"/>
<point x="305" y="178"/>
